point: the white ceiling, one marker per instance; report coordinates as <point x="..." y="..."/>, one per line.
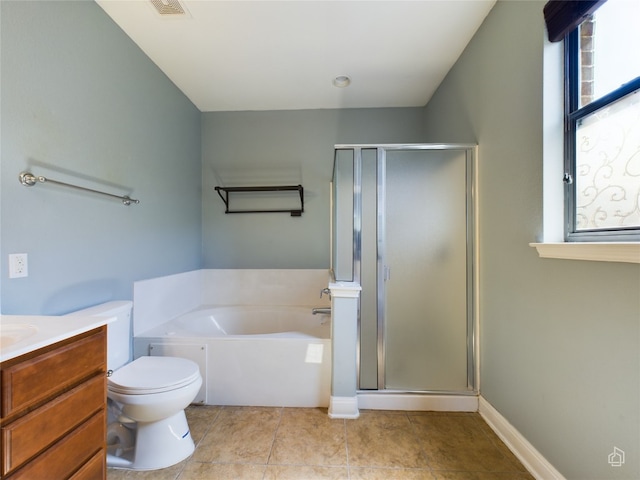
<point x="283" y="55"/>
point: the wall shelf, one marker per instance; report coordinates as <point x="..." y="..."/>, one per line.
<point x="224" y="192"/>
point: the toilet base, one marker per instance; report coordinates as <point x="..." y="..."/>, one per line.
<point x="158" y="445"/>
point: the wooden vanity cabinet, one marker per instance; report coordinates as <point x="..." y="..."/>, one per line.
<point x="53" y="411"/>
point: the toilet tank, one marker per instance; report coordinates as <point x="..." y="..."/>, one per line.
<point x="118" y="331"/>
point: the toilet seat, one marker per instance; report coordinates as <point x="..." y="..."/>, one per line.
<point x="149" y="375"/>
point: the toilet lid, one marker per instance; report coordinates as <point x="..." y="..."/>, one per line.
<point x="147" y="375"/>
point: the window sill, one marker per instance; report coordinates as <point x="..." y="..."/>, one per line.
<point x="627" y="252"/>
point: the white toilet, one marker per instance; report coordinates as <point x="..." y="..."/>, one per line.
<point x="147" y="428"/>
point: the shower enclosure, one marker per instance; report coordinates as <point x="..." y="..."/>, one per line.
<point x="403" y="228"/>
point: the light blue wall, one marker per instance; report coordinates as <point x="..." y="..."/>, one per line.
<point x="290" y="147"/>
<point x="560" y="339"/>
<point x="82" y="104"/>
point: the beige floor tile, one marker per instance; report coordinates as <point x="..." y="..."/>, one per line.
<point x="358" y="473"/>
<point x="483" y="476"/>
<point x="309" y="437"/>
<point x="463" y="428"/>
<point x="239" y="435"/>
<point x="169" y="473"/>
<point x="459" y="443"/>
<point x="115" y="474"/>
<point x="307" y="416"/>
<point x="465" y="457"/>
<point x="500" y="444"/>
<point x="304" y="443"/>
<point x="218" y="471"/>
<point x="292" y="472"/>
<point x="200" y="418"/>
<point x="383" y="440"/>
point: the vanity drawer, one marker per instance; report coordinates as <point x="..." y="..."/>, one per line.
<point x="94" y="469"/>
<point x="70" y="454"/>
<point x="51" y="422"/>
<point x="30" y="382"/>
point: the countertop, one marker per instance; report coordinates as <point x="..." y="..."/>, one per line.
<point x="20" y="334"/>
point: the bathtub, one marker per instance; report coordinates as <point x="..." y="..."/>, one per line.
<point x="250" y="355"/>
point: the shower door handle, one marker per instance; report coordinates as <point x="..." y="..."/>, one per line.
<point x="386" y="272"/>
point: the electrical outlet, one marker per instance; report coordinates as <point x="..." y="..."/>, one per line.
<point x="18" y="266"/>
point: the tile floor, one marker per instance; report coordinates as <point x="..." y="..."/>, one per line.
<point x="304" y="443"/>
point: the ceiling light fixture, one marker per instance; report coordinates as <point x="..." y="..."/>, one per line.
<point x="342" y="81"/>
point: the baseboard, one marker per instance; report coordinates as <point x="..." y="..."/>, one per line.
<point x="413" y="402"/>
<point x="533" y="460"/>
<point x="343" y="407"/>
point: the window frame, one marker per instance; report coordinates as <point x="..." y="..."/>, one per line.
<point x="573" y="113"/>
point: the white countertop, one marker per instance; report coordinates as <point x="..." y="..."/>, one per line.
<point x="40" y="331"/>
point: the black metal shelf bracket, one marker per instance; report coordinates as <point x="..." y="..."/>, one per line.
<point x="224" y="192"/>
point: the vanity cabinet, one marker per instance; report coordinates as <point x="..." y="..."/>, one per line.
<point x="53" y="410"/>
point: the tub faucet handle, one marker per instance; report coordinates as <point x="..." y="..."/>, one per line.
<point x="321" y="311"/>
<point x="325" y="290"/>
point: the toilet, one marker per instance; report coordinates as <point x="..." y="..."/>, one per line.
<point x="146" y="428"/>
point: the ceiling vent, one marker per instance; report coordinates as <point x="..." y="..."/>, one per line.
<point x="168" y="7"/>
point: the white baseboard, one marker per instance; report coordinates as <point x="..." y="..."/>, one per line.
<point x="413" y="402"/>
<point x="533" y="460"/>
<point x="343" y="407"/>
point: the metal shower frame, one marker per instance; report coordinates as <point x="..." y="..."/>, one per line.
<point x="471" y="242"/>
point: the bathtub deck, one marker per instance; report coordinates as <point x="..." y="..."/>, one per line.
<point x="303" y="443"/>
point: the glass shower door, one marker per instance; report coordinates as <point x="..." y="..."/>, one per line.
<point x="425" y="274"/>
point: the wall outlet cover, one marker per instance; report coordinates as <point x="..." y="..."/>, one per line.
<point x="18" y="266"/>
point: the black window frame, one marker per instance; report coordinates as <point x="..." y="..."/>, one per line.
<point x="573" y="114"/>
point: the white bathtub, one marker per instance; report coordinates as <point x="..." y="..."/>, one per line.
<point x="267" y="321"/>
<point x="251" y="355"/>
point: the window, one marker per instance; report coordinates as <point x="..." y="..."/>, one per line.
<point x="602" y="124"/>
